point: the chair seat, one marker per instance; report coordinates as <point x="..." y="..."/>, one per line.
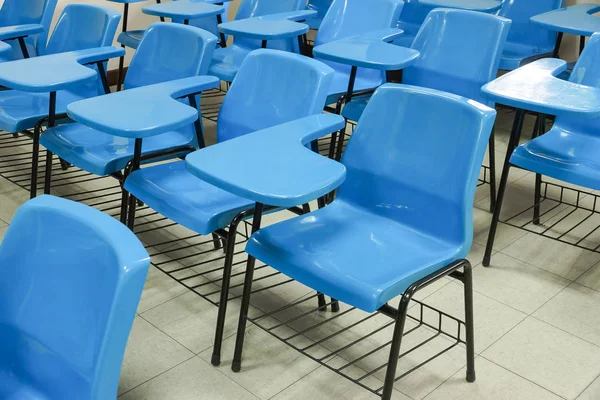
<point x="31" y="371"/>
<point x="351" y="254"/>
<point x="101" y="153"/>
<point x="22" y="110"/>
<point x="226" y="62"/>
<point x="564" y="155"/>
<point x="339" y="86"/>
<point x="6" y="52"/>
<point x="353" y="110"/>
<point x="178" y="195"/>
<point x="131" y="39"/>
<point x="517" y="55"/>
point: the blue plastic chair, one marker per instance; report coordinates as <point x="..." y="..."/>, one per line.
<point x="155" y="61"/>
<point x="321" y="7"/>
<point x="255" y="101"/>
<point x="347" y="18"/>
<point x="568" y="151"/>
<point x="227" y="60"/>
<point x="460" y="69"/>
<point x="526" y="41"/>
<point x="79" y="27"/>
<point x="21" y="12"/>
<point x="412" y="17"/>
<point x="402" y="218"/>
<point x="72" y="281"/>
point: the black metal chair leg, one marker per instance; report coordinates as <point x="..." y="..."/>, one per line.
<point x="216" y="241"/>
<point x="541" y="129"/>
<point x="340" y="144"/>
<point x="120" y="76"/>
<point x="470" y="339"/>
<point x="35" y="161"/>
<point x="335" y="305"/>
<point x="124" y="201"/>
<point x="225" y="283"/>
<point x="132" y="207"/>
<point x="390" y="375"/>
<point x="236" y="365"/>
<point x="334" y="135"/>
<point x="492" y="162"/>
<point x="321" y="301"/>
<point x="512" y="143"/>
<point x="48" y="172"/>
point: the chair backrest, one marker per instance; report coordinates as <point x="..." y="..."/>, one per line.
<point x="83" y="26"/>
<point x="585" y="72"/>
<point x="460" y="52"/>
<point x="158" y="60"/>
<point x="273" y="87"/>
<point x="208" y="24"/>
<point x="71" y="283"/>
<point x="21" y="12"/>
<point x="415" y="157"/>
<point x="412" y="16"/>
<point x="522" y="31"/>
<point x="320" y="6"/>
<point x="354" y="17"/>
<point x="258" y="8"/>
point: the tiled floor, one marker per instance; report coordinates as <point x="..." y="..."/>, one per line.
<point x="537" y="320"/>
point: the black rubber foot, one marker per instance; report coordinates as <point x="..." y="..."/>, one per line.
<point x="471" y="377"/>
<point x="486" y="261"/>
<point x="236" y="366"/>
<point x="335" y="307"/>
<point x="215" y="360"/>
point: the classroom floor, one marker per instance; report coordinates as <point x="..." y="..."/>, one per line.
<point x="537" y="320"/>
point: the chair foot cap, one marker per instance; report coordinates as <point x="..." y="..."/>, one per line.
<point x="215" y="360"/>
<point x="486" y="261"/>
<point x="236" y="366"/>
<point x="471" y="377"/>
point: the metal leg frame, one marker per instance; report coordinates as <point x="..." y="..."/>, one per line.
<point x="541" y="129"/>
<point x="35" y="156"/>
<point x="512" y="144"/>
<point x="492" y="162"/>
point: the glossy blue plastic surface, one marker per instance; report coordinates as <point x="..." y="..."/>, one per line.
<point x="405" y="209"/>
<point x="21" y="12"/>
<point x="535" y="87"/>
<point x="227" y="60"/>
<point x="576" y="19"/>
<point x="71" y="283"/>
<point x="371" y="50"/>
<point x="443" y="65"/>
<point x="140" y="111"/>
<point x="526" y="41"/>
<point x="282" y="151"/>
<point x="255" y="101"/>
<point x="60" y="71"/>
<point x="12" y="32"/>
<point x="321" y="7"/>
<point x="347" y="18"/>
<point x="184" y="9"/>
<point x="569" y="151"/>
<point x="143" y="111"/>
<point x="487" y="6"/>
<point x="5" y="52"/>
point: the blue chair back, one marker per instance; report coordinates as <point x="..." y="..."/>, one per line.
<point x="585" y="72"/>
<point x="21" y="12"/>
<point x="460" y="52"/>
<point x="208" y="24"/>
<point x="412" y="17"/>
<point x="320" y="6"/>
<point x="273" y="87"/>
<point x="354" y="17"/>
<point x="258" y="8"/>
<point x="72" y="281"/>
<point x="158" y="60"/>
<point x="83" y="26"/>
<point x="415" y="157"/>
<point x="522" y="31"/>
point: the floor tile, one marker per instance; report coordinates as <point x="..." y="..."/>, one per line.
<point x="547" y="356"/>
<point x="149" y="353"/>
<point x="591" y="278"/>
<point x="559" y="258"/>
<point x="592" y="392"/>
<point x="194" y="379"/>
<point x="505" y="234"/>
<point x="492" y="319"/>
<point x="10" y="203"/>
<point x="159" y="288"/>
<point x="516" y="284"/>
<point x="268" y="365"/>
<point x="493" y="383"/>
<point x="575" y="310"/>
<point x="191" y="320"/>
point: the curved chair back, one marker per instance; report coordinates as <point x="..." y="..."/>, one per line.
<point x="412" y="17"/>
<point x="406" y="165"/>
<point x="460" y="52"/>
<point x="83" y="26"/>
<point x="158" y="60"/>
<point x="320" y="6"/>
<point x="522" y="31"/>
<point x="354" y="17"/>
<point x="21" y="12"/>
<point x="208" y="24"/>
<point x="273" y="87"/>
<point x="585" y="72"/>
<point x="71" y="283"/>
